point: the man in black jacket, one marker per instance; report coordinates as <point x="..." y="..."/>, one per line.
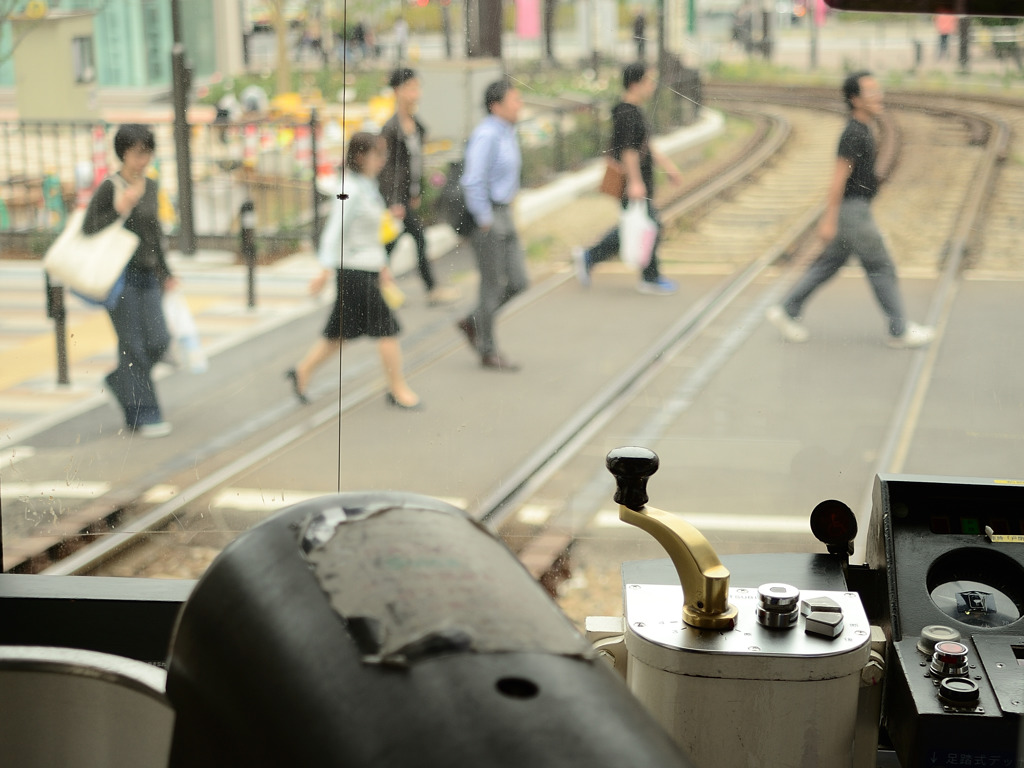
<point x="401" y="179"/>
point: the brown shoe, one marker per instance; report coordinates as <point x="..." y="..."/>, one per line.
<point x="498" y="363"/>
<point x="467" y="327"/>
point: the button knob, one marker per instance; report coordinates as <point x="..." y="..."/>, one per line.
<point x="949" y="659"/>
<point x="959" y="692"/>
<point x="935" y="633"/>
<point x="778" y="605"/>
<point x="632" y="466"/>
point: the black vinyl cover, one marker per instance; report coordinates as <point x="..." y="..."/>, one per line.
<point x="388" y="629"/>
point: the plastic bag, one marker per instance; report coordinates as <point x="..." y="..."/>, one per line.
<point x="637" y="233"/>
<point x="185" y="346"/>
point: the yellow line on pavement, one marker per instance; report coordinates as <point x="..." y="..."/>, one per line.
<point x="87" y="337"/>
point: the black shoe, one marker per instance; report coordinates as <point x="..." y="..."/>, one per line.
<point x="467" y="327"/>
<point x="390" y="399"/>
<point x="293" y="377"/>
<point x="498" y="363"/>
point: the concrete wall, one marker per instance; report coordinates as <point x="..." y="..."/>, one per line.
<point x="452" y="98"/>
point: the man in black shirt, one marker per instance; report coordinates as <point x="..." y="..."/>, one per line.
<point x="632" y="148"/>
<point x="848" y="227"/>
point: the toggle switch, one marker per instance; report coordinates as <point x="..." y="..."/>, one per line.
<point x="824" y="624"/>
<point x="819" y="605"/>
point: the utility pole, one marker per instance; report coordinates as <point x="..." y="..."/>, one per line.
<point x="483" y="29"/>
<point x="181" y="77"/>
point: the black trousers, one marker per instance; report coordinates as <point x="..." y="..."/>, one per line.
<point x="414" y="227"/>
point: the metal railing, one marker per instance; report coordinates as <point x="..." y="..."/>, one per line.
<point x="285" y="169"/>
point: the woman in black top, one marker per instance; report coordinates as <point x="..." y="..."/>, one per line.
<point x="138" y="319"/>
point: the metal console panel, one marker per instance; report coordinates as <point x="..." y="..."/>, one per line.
<point x="752" y="696"/>
<point x="653" y="612"/>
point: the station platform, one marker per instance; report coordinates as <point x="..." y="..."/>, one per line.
<point x="216" y="287"/>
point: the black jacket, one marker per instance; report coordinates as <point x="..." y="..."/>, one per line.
<point x="395" y="177"/>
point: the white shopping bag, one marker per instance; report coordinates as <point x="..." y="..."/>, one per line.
<point x="637" y="233"/>
<point x="185" y="346"/>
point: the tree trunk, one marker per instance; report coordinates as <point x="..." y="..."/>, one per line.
<point x="550" y="6"/>
<point x="483" y="28"/>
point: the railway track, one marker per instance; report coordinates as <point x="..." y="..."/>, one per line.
<point x="132" y="523"/>
<point x="774" y="197"/>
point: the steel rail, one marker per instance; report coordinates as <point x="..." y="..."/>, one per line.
<point x="767" y="140"/>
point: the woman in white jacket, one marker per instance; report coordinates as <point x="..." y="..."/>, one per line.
<point x="351" y="248"/>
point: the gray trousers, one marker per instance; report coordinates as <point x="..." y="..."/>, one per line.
<point x="499" y="258"/>
<point x="857" y="234"/>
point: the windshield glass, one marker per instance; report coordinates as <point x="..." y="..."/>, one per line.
<point x="802" y="272"/>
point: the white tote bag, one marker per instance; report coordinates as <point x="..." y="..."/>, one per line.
<point x="90" y="264"/>
<point x="637" y="233"/>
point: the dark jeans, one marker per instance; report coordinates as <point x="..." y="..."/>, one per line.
<point x="414" y="227"/>
<point x="608" y="247"/>
<point x="142" y="339"/>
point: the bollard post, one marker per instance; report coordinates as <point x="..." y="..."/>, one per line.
<point x="56" y="312"/>
<point x="559" y="159"/>
<point x="314" y="125"/>
<point x="247" y="217"/>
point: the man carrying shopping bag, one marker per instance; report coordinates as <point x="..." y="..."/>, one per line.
<point x="631" y="146"/>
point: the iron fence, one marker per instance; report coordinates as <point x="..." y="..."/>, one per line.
<point x="287" y="170"/>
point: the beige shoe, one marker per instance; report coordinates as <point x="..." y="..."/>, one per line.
<point x="442" y="295"/>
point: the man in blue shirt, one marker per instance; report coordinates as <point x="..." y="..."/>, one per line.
<point x="490" y="182"/>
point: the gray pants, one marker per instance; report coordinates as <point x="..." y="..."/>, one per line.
<point x="499" y="258"/>
<point x="857" y="234"/>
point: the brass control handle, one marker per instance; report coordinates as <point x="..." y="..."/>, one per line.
<point x="704" y="579"/>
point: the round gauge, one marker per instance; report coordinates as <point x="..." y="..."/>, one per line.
<point x="980" y="588"/>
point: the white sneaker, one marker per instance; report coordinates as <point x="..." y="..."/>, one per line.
<point x="157" y="429"/>
<point x="913" y="336"/>
<point x="791" y="329"/>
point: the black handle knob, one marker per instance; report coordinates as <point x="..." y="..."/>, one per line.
<point x="632" y="466"/>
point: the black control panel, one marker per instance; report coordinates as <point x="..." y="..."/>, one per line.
<point x="952" y="550"/>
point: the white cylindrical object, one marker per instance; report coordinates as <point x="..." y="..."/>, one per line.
<point x="750" y="698"/>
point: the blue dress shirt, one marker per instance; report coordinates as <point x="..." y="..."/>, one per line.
<point x="492" y="169"/>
